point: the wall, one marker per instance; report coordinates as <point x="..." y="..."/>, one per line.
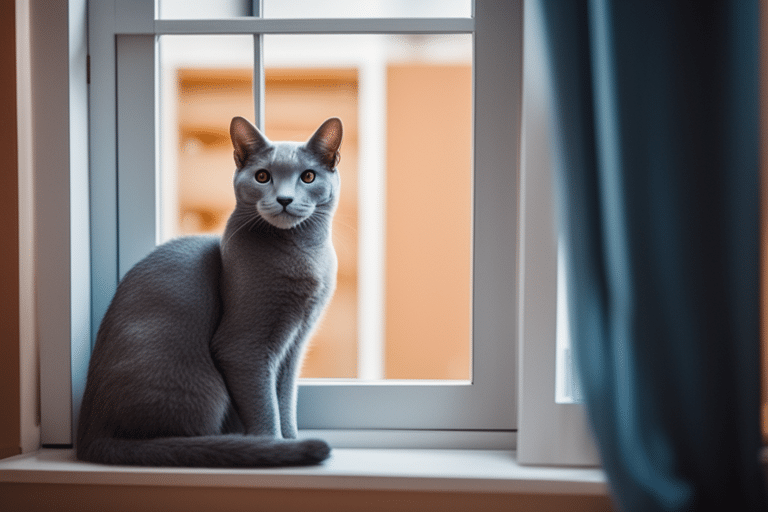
<point x="764" y="196"/>
<point x="429" y="225"/>
<point x="9" y="234"/>
<point x="112" y="498"/>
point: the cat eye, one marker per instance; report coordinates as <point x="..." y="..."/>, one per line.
<point x="308" y="176"/>
<point x="262" y="176"/>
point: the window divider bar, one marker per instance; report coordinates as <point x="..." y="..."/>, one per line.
<point x="257" y="25"/>
<point x="259" y="78"/>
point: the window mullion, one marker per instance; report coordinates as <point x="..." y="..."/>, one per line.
<point x="258" y="69"/>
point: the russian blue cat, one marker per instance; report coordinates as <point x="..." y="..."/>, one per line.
<point x="197" y="357"/>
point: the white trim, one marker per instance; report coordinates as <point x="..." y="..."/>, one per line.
<point x="475" y="471"/>
<point x="497" y="93"/>
<point x="372" y="202"/>
<point x="79" y="190"/>
<point x="60" y="160"/>
<point x="50" y="123"/>
<point x="415" y="439"/>
<point x="549" y="433"/>
<point x="29" y="386"/>
<point x="252" y="25"/>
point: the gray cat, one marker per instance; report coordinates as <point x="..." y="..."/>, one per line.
<point x="197" y="357"/>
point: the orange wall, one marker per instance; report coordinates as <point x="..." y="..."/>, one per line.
<point x="9" y="238"/>
<point x="429" y="222"/>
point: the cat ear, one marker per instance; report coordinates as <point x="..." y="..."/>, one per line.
<point x="326" y="141"/>
<point x="246" y="139"/>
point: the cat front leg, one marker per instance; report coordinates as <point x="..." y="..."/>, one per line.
<point x="287" y="390"/>
<point x="251" y="379"/>
<point x="253" y="392"/>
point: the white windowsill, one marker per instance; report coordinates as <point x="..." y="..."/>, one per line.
<point x="490" y="471"/>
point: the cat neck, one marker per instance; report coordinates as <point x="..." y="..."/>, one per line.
<point x="245" y="224"/>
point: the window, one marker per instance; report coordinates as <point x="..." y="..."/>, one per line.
<point x="122" y="105"/>
<point x="123" y="229"/>
<point x="406" y="170"/>
<point x="550" y="431"/>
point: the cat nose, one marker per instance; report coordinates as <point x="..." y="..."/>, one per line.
<point x="285" y="201"/>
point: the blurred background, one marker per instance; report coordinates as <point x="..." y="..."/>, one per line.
<point x="402" y="308"/>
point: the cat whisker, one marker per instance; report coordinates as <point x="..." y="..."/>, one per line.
<point x="252" y="221"/>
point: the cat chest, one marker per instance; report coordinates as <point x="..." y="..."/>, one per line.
<point x="297" y="284"/>
<point x="301" y="290"/>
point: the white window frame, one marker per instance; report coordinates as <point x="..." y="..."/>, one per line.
<point x="71" y="286"/>
<point x="549" y="432"/>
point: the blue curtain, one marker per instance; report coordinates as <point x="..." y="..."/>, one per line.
<point x="657" y="113"/>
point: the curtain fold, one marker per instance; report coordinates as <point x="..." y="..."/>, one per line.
<point x="657" y="122"/>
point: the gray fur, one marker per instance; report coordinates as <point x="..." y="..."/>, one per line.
<point x="197" y="357"/>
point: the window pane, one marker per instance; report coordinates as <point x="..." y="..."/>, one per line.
<point x="203" y="9"/>
<point x="567" y="386"/>
<point x="402" y="309"/>
<point x="297" y="101"/>
<point x="367" y="9"/>
<point x="204" y="82"/>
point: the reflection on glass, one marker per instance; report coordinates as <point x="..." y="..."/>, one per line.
<point x="567" y="386"/>
<point x="222" y="9"/>
<point x="402" y="309"/>
<point x="203" y="9"/>
<point x="367" y="9"/>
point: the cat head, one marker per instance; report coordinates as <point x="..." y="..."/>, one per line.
<point x="286" y="183"/>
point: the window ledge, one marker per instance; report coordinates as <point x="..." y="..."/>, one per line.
<point x="431" y="470"/>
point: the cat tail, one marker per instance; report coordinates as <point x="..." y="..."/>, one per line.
<point x="205" y="451"/>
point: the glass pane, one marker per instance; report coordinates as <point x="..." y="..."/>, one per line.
<point x="567" y="386"/>
<point x="367" y="9"/>
<point x="402" y="308"/>
<point x="203" y="9"/>
<point x="205" y="81"/>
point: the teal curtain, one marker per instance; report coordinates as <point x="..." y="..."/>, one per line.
<point x="657" y="119"/>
